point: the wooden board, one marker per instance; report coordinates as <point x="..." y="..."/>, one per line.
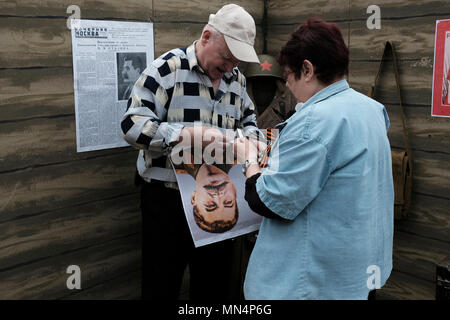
<point x="426" y="133"/>
<point x="90" y="9"/>
<point x="413" y="38"/>
<point x="429" y="217"/>
<point x="399" y="9"/>
<point x="431" y="174"/>
<point x="36" y="93"/>
<point x="35" y="42"/>
<point x="25" y="240"/>
<point x="46" y="278"/>
<point x="198" y="11"/>
<point x="35" y="190"/>
<point x="401" y="286"/>
<point x="418" y="256"/>
<point x="415" y="81"/>
<point x="296" y="12"/>
<point x="278" y="34"/>
<point x="123" y="287"/>
<point x="42" y="142"/>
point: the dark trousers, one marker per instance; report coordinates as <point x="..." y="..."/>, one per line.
<point x="167" y="248"/>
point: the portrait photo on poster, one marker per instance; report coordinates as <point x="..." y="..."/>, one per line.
<point x="441" y="71"/>
<point x="213" y="201"/>
<point x="129" y="67"/>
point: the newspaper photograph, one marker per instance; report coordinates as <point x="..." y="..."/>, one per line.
<point x="108" y="57"/>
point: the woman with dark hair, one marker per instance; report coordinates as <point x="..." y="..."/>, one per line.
<point x="327" y="194"/>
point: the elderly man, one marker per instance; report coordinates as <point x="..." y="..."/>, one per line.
<point x="199" y="83"/>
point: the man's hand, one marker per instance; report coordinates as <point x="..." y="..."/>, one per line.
<point x="202" y="144"/>
<point x="202" y="136"/>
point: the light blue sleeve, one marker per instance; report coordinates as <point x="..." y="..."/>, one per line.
<point x="296" y="174"/>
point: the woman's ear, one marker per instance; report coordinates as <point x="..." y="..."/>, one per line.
<point x="307" y="70"/>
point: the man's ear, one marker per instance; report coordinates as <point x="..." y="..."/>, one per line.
<point x="206" y="37"/>
<point x="193" y="197"/>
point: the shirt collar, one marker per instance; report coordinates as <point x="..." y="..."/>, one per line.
<point x="327" y="92"/>
<point x="193" y="62"/>
<point x="192" y="58"/>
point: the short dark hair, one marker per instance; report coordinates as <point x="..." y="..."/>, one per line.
<point x="217" y="226"/>
<point x="322" y="44"/>
<point x="136" y="61"/>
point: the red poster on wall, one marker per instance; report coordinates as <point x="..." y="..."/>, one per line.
<point x="440" y="106"/>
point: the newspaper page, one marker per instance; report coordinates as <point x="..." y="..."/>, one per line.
<point x="108" y="57"/>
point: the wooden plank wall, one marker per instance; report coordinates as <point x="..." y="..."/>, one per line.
<point x="424" y="238"/>
<point x="59" y="207"/>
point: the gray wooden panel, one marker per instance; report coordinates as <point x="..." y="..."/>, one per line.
<point x="46" y="279"/>
<point x="431" y="174"/>
<point x="402" y="286"/>
<point x="429" y="217"/>
<point x="199" y="10"/>
<point x="42" y="142"/>
<point x="426" y="133"/>
<point x="415" y="76"/>
<point x="90" y="9"/>
<point x="25" y="240"/>
<point x="417" y="255"/>
<point x="123" y="287"/>
<point x="397" y="9"/>
<point x="35" y="93"/>
<point x="35" y="42"/>
<point x="413" y="38"/>
<point x="278" y="34"/>
<point x="35" y="190"/>
<point x="296" y="12"/>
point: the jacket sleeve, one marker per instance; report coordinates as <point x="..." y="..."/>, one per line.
<point x="254" y="202"/>
<point x="144" y="124"/>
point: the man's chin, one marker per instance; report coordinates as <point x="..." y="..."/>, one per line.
<point x="216" y="75"/>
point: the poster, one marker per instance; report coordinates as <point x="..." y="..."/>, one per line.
<point x="108" y="57"/>
<point x="440" y="106"/>
<point x="213" y="201"/>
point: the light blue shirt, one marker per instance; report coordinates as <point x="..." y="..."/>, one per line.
<point x="332" y="179"/>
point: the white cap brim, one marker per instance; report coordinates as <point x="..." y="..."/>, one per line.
<point x="241" y="50"/>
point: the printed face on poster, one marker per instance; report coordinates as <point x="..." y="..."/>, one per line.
<point x="213" y="201"/>
<point x="441" y="73"/>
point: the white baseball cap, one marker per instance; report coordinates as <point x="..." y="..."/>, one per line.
<point x="238" y="29"/>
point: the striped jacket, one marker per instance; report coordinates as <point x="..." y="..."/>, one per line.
<point x="174" y="92"/>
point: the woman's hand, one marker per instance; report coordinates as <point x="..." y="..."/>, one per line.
<point x="246" y="149"/>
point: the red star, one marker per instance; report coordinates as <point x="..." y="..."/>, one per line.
<point x="265" y="66"/>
